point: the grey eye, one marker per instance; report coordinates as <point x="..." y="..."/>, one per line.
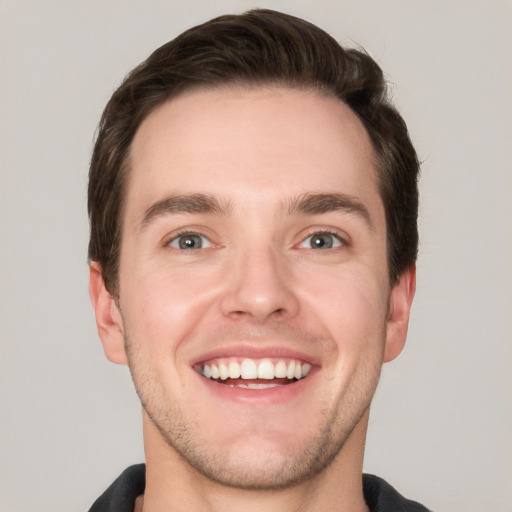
<point x="321" y="241"/>
<point x="190" y="241"/>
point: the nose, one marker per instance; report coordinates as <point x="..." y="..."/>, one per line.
<point x="259" y="287"/>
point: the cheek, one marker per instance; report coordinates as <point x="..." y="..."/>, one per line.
<point x="352" y="306"/>
<point x="164" y="305"/>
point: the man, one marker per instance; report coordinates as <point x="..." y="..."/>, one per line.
<point x="253" y="204"/>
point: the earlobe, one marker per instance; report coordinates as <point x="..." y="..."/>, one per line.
<point x="400" y="302"/>
<point x="108" y="317"/>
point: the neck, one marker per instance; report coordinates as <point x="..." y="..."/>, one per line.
<point x="173" y="485"/>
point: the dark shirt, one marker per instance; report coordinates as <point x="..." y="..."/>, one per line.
<point x="121" y="495"/>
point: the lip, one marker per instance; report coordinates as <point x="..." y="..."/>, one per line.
<point x="260" y="350"/>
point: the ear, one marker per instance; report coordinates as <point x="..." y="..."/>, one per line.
<point x="400" y="302"/>
<point x="108" y="317"/>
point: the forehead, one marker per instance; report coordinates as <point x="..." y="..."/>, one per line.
<point x="242" y="142"/>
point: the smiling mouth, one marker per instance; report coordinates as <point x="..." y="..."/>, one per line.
<point x="254" y="373"/>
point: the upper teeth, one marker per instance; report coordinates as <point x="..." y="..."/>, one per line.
<point x="255" y="369"/>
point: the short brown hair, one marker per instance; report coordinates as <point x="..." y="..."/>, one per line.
<point x="258" y="47"/>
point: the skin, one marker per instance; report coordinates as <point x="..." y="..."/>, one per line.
<point x="256" y="286"/>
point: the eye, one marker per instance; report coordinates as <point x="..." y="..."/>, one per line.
<point x="190" y="241"/>
<point x="321" y="241"/>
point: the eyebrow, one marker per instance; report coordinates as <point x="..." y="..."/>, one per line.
<point x="316" y="204"/>
<point x="193" y="203"/>
<point x="309" y="204"/>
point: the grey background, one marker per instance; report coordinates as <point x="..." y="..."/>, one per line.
<point x="441" y="422"/>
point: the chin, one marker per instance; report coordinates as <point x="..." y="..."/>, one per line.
<point x="256" y="470"/>
<point x="258" y="460"/>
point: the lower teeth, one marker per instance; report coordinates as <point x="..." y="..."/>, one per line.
<point x="254" y="386"/>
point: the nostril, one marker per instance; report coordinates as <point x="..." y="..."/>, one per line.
<point x="242" y="314"/>
<point x="238" y="313"/>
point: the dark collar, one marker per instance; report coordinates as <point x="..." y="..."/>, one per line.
<point x="121" y="495"/>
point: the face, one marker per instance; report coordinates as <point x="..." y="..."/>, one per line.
<point x="254" y="302"/>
